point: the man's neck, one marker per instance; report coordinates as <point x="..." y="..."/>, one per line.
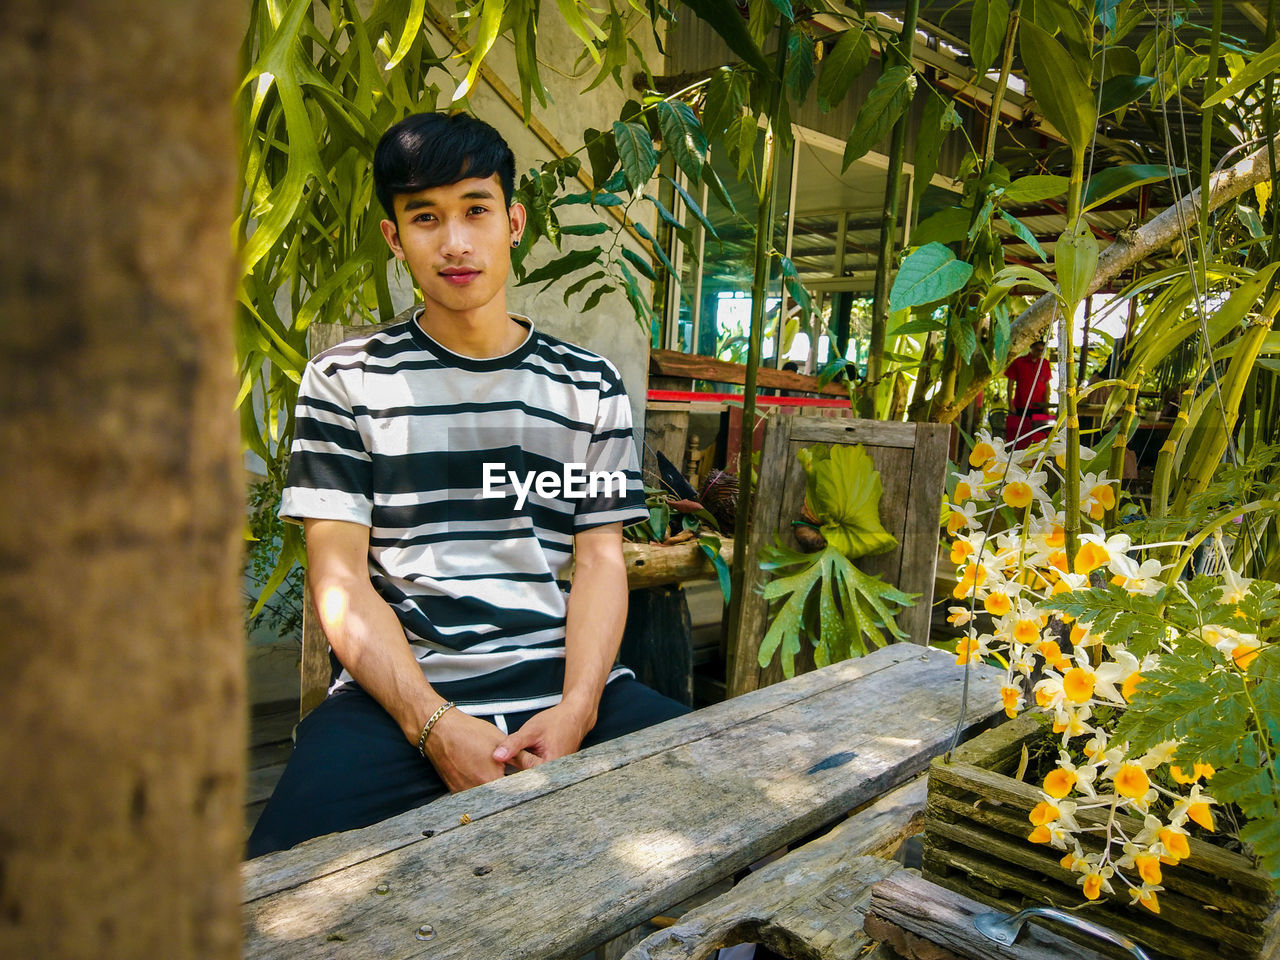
<point x="477" y="335"/>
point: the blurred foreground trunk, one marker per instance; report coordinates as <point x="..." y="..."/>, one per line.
<point x="120" y="496"/>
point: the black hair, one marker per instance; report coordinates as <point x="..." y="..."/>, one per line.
<point x="436" y="149"/>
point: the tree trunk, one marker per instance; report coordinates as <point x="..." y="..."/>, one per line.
<point x="121" y="810"/>
<point x="1129" y="249"/>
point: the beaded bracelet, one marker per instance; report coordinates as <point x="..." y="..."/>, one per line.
<point x="422" y="740"/>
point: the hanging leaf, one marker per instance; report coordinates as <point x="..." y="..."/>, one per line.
<point x="636" y="152"/>
<point x="683" y="136"/>
<point x="725" y="20"/>
<point x="964" y="336"/>
<point x="655" y="247"/>
<point x="987" y="24"/>
<point x="594" y="299"/>
<point x="1113" y="181"/>
<point x="1119" y="92"/>
<point x="726" y="96"/>
<point x="784" y="8"/>
<point x="1076" y="258"/>
<point x="692" y="206"/>
<point x="1252" y="222"/>
<point x="842" y="66"/>
<point x="602" y="151"/>
<point x="929" y="274"/>
<point x="1025" y="235"/>
<point x="1038" y="186"/>
<point x="571" y="261"/>
<point x="740" y="140"/>
<point x="800" y="65"/>
<point x="584" y="229"/>
<point x="929" y="138"/>
<point x="640" y="263"/>
<point x="886" y="102"/>
<point x="1061" y="93"/>
<point x="579" y="285"/>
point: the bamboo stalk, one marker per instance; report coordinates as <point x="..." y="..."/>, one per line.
<point x="1071" y="479"/>
<point x="1115" y="469"/>
<point x="759" y="286"/>
<point x="889" y="224"/>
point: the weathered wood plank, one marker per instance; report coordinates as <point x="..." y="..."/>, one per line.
<point x="613" y="849"/>
<point x="810" y="902"/>
<point x="919" y="548"/>
<point x="872" y="433"/>
<point x="742" y="670"/>
<point x="281" y="871"/>
<point x="927" y="914"/>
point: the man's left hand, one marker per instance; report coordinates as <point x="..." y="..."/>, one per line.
<point x="555" y="732"/>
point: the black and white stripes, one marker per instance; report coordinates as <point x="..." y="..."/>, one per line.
<point x="398" y="433"/>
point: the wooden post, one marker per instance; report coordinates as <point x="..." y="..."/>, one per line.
<point x="121" y="531"/>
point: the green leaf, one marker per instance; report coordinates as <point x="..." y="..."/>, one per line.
<point x="636" y="152"/>
<point x="1039" y="186"/>
<point x="917" y="325"/>
<point x="929" y="139"/>
<point x="640" y="263"/>
<point x="987" y="24"/>
<point x="710" y="545"/>
<point x="842" y="66"/>
<point x="726" y="97"/>
<point x="656" y="248"/>
<point x="929" y="274"/>
<point x="1118" y="92"/>
<point x="948" y="225"/>
<point x="683" y="136"/>
<point x="581" y="284"/>
<point x="1264" y="63"/>
<point x="1024" y="234"/>
<point x="740" y="138"/>
<point x="800" y="65"/>
<point x="571" y="261"/>
<point x="1076" y="258"/>
<point x="664" y="214"/>
<point x="1061" y="93"/>
<point x="584" y="29"/>
<point x="489" y="20"/>
<point x="886" y="102"/>
<point x="724" y="19"/>
<point x="590" y="303"/>
<point x="966" y="339"/>
<point x="844" y="491"/>
<point x="602" y="151"/>
<point x="1249" y="217"/>
<point x="1113" y="181"/>
<point x="784" y="8"/>
<point x="584" y="229"/>
<point x="692" y="206"/>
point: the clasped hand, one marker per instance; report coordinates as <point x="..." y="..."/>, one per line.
<point x="467" y="751"/>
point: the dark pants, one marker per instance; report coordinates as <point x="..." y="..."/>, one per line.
<point x="351" y="766"/>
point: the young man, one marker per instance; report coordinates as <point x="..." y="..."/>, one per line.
<point x="430" y="468"/>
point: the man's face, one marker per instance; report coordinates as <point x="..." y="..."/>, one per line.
<point x="457" y="241"/>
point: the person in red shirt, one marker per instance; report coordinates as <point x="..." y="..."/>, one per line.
<point x="1028" y="390"/>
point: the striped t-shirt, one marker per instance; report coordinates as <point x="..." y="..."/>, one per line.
<point x="421" y="444"/>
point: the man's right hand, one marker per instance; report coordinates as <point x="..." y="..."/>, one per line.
<point x="461" y="747"/>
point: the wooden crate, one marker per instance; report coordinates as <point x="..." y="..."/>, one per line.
<point x="1215" y="904"/>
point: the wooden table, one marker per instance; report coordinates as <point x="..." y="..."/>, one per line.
<point x="553" y="861"/>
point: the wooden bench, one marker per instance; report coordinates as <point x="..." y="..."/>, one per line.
<point x="553" y="861"/>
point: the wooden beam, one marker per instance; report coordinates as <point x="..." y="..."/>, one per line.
<point x="671" y="363"/>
